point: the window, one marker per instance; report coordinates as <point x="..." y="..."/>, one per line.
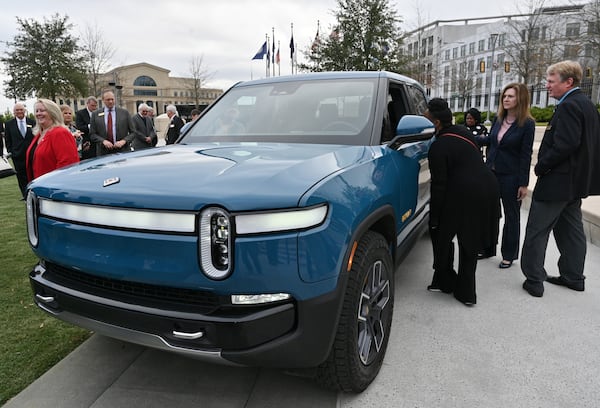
<point x="423" y="46"/>
<point x="535" y="33"/>
<point x="145" y="92"/>
<point x="463" y="50"/>
<point x="481" y="46"/>
<point x="501" y="40"/>
<point x="471" y="66"/>
<point x="430" y="46"/>
<point x="144" y="81"/>
<point x="571" y="51"/>
<point x="472" y="48"/>
<point x="500" y="59"/>
<point x="455" y="52"/>
<point x="446" y="55"/>
<point x="572" y="29"/>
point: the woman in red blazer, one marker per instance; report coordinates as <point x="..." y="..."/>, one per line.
<point x="53" y="146"/>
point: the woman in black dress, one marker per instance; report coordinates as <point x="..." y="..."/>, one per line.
<point x="464" y="204"/>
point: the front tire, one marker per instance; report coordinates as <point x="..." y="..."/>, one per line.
<point x="365" y="321"/>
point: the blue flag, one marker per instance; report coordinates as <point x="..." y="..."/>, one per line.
<point x="261" y="52"/>
<point x="292" y="48"/>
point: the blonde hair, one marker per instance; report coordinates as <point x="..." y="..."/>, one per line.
<point x="53" y="110"/>
<point x="565" y="70"/>
<point x="522" y="94"/>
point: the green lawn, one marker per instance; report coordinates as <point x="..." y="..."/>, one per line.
<point x="31" y="341"/>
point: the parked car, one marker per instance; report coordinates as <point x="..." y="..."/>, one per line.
<point x="268" y="235"/>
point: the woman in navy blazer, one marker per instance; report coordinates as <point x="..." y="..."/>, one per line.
<point x="509" y="156"/>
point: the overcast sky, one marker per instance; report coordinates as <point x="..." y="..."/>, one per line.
<point x="227" y="33"/>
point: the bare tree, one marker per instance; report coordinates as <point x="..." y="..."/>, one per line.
<point x="533" y="43"/>
<point x="97" y="52"/>
<point x="590" y="18"/>
<point x="199" y="74"/>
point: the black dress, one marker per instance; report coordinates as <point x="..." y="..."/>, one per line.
<point x="465" y="203"/>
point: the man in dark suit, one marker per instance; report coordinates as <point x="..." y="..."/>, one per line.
<point x="111" y="127"/>
<point x="82" y="122"/>
<point x="175" y="124"/>
<point x="18" y="135"/>
<point x="568" y="170"/>
<point x="145" y="136"/>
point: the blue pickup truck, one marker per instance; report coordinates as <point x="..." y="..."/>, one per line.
<point x="268" y="235"/>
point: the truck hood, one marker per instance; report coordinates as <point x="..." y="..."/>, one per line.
<point x="237" y="176"/>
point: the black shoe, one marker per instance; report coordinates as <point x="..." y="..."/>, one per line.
<point x="559" y="280"/>
<point x="434" y="288"/>
<point x="465" y="302"/>
<point x="534" y="289"/>
<point x="505" y="264"/>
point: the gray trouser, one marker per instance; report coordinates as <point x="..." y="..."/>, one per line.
<point x="564" y="219"/>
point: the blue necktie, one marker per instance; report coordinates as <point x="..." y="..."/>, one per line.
<point x="22" y="128"/>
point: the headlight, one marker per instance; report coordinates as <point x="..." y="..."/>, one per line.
<point x="286" y="220"/>
<point x="215" y="243"/>
<point x="32" y="213"/>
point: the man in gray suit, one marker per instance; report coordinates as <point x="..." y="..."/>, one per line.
<point x="111" y="128"/>
<point x="145" y="136"/>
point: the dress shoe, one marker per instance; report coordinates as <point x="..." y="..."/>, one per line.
<point x="534" y="289"/>
<point x="435" y="288"/>
<point x="559" y="280"/>
<point x="466" y="302"/>
<point x="505" y="264"/>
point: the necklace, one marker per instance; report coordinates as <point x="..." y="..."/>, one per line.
<point x="507" y="121"/>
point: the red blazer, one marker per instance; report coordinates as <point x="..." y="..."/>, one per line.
<point x="58" y="149"/>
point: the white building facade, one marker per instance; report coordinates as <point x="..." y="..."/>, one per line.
<point x="468" y="62"/>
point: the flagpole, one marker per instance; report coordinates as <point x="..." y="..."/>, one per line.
<point x="273" y="50"/>
<point x="267" y="63"/>
<point x="292" y="47"/>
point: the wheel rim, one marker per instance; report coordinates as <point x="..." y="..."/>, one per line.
<point x="373" y="312"/>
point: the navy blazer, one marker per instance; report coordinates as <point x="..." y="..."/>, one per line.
<point x="513" y="154"/>
<point x="568" y="167"/>
<point x="16" y="144"/>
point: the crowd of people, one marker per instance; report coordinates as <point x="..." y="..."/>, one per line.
<point x="468" y="184"/>
<point x="477" y="176"/>
<point x="41" y="145"/>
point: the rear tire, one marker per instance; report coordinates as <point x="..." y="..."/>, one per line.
<point x="365" y="321"/>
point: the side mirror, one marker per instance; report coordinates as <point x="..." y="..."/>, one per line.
<point x="412" y="128"/>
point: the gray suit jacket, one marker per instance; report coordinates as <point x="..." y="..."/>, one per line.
<point x="143" y="129"/>
<point x="124" y="126"/>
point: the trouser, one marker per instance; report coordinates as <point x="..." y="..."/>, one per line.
<point x="564" y="219"/>
<point x="444" y="275"/>
<point x="511" y="232"/>
<point x="21" y="170"/>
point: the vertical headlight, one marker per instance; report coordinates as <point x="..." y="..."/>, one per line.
<point x="215" y="243"/>
<point x="32" y="213"/>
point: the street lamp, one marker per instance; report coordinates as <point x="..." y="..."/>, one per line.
<point x="493" y="38"/>
<point x="117" y="92"/>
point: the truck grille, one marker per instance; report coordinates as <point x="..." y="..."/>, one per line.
<point x="180" y="299"/>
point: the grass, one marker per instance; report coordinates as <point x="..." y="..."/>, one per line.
<point x="31" y="341"/>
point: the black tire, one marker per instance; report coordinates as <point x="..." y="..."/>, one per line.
<point x="365" y="321"/>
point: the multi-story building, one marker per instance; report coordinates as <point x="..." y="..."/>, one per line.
<point x="143" y="82"/>
<point x="469" y="61"/>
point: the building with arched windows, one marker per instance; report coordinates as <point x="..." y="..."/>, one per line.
<point x="143" y="82"/>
